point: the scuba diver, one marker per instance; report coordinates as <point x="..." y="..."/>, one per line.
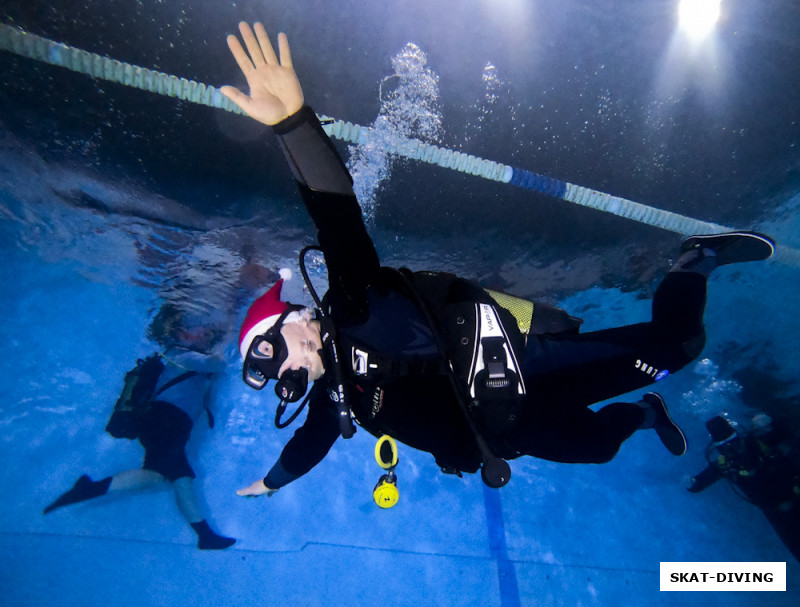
<point x="164" y="395"/>
<point x="758" y="470"/>
<point x="434" y="360"/>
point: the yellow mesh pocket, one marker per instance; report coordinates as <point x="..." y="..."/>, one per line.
<point x="522" y="309"/>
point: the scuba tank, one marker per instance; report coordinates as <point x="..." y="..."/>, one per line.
<point x="135" y="398"/>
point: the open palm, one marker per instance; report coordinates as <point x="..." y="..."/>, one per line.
<point x="275" y="91"/>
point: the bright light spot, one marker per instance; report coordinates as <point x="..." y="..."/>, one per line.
<point x="698" y="17"/>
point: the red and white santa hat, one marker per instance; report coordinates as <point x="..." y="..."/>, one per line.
<point x="263" y="314"/>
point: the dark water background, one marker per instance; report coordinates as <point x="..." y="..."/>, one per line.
<point x="589" y="93"/>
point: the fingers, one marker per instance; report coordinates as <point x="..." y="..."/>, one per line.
<point x="275" y="92"/>
<point x="259" y="47"/>
<point x="283" y="48"/>
<point x="257" y="489"/>
<point x="253" y="48"/>
<point x="265" y="44"/>
<point x="242" y="60"/>
<point x="237" y="96"/>
<point x="250" y="492"/>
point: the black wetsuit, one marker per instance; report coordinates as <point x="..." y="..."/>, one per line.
<point x="164" y="432"/>
<point x="382" y="311"/>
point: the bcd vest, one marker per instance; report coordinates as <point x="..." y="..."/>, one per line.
<point x="481" y="340"/>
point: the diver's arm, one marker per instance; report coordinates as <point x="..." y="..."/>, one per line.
<point x="314" y="161"/>
<point x="276" y="99"/>
<point x="326" y="188"/>
<point x="705" y="479"/>
<point x="309" y="446"/>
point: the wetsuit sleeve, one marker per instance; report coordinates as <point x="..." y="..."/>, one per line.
<point x="311" y="155"/>
<point x="327" y="190"/>
<point x="705" y="479"/>
<point x="309" y="445"/>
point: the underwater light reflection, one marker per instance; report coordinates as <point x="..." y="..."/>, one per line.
<point x="697" y="18"/>
<point x="696" y="61"/>
<point x="514" y="15"/>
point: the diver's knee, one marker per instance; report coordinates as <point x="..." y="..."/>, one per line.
<point x="600" y="453"/>
<point x="183" y="483"/>
<point x="694" y="346"/>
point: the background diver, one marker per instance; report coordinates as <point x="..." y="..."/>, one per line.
<point x="163" y="424"/>
<point x="432" y="359"/>
<point x="758" y="469"/>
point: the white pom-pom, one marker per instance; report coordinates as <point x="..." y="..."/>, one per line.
<point x="286" y="273"/>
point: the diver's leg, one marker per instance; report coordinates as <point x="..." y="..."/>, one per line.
<point x="587" y="368"/>
<point x="582" y="369"/>
<point x="656" y="416"/>
<point x="165" y="452"/>
<point x="575" y="436"/>
<point x="137" y="479"/>
<point x="679" y="302"/>
<point x="570" y="372"/>
<point x="583" y="435"/>
<point x="732" y="247"/>
<point x="186" y="499"/>
<point x="678" y="309"/>
<point x="83" y="489"/>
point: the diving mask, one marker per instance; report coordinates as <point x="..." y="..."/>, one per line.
<point x="263" y="362"/>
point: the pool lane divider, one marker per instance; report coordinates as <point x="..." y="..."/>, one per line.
<point x="41" y="49"/>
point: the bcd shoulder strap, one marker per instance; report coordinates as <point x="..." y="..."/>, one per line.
<point x="183" y="377"/>
<point x="175" y="380"/>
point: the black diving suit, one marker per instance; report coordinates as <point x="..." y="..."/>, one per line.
<point x="410" y="340"/>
